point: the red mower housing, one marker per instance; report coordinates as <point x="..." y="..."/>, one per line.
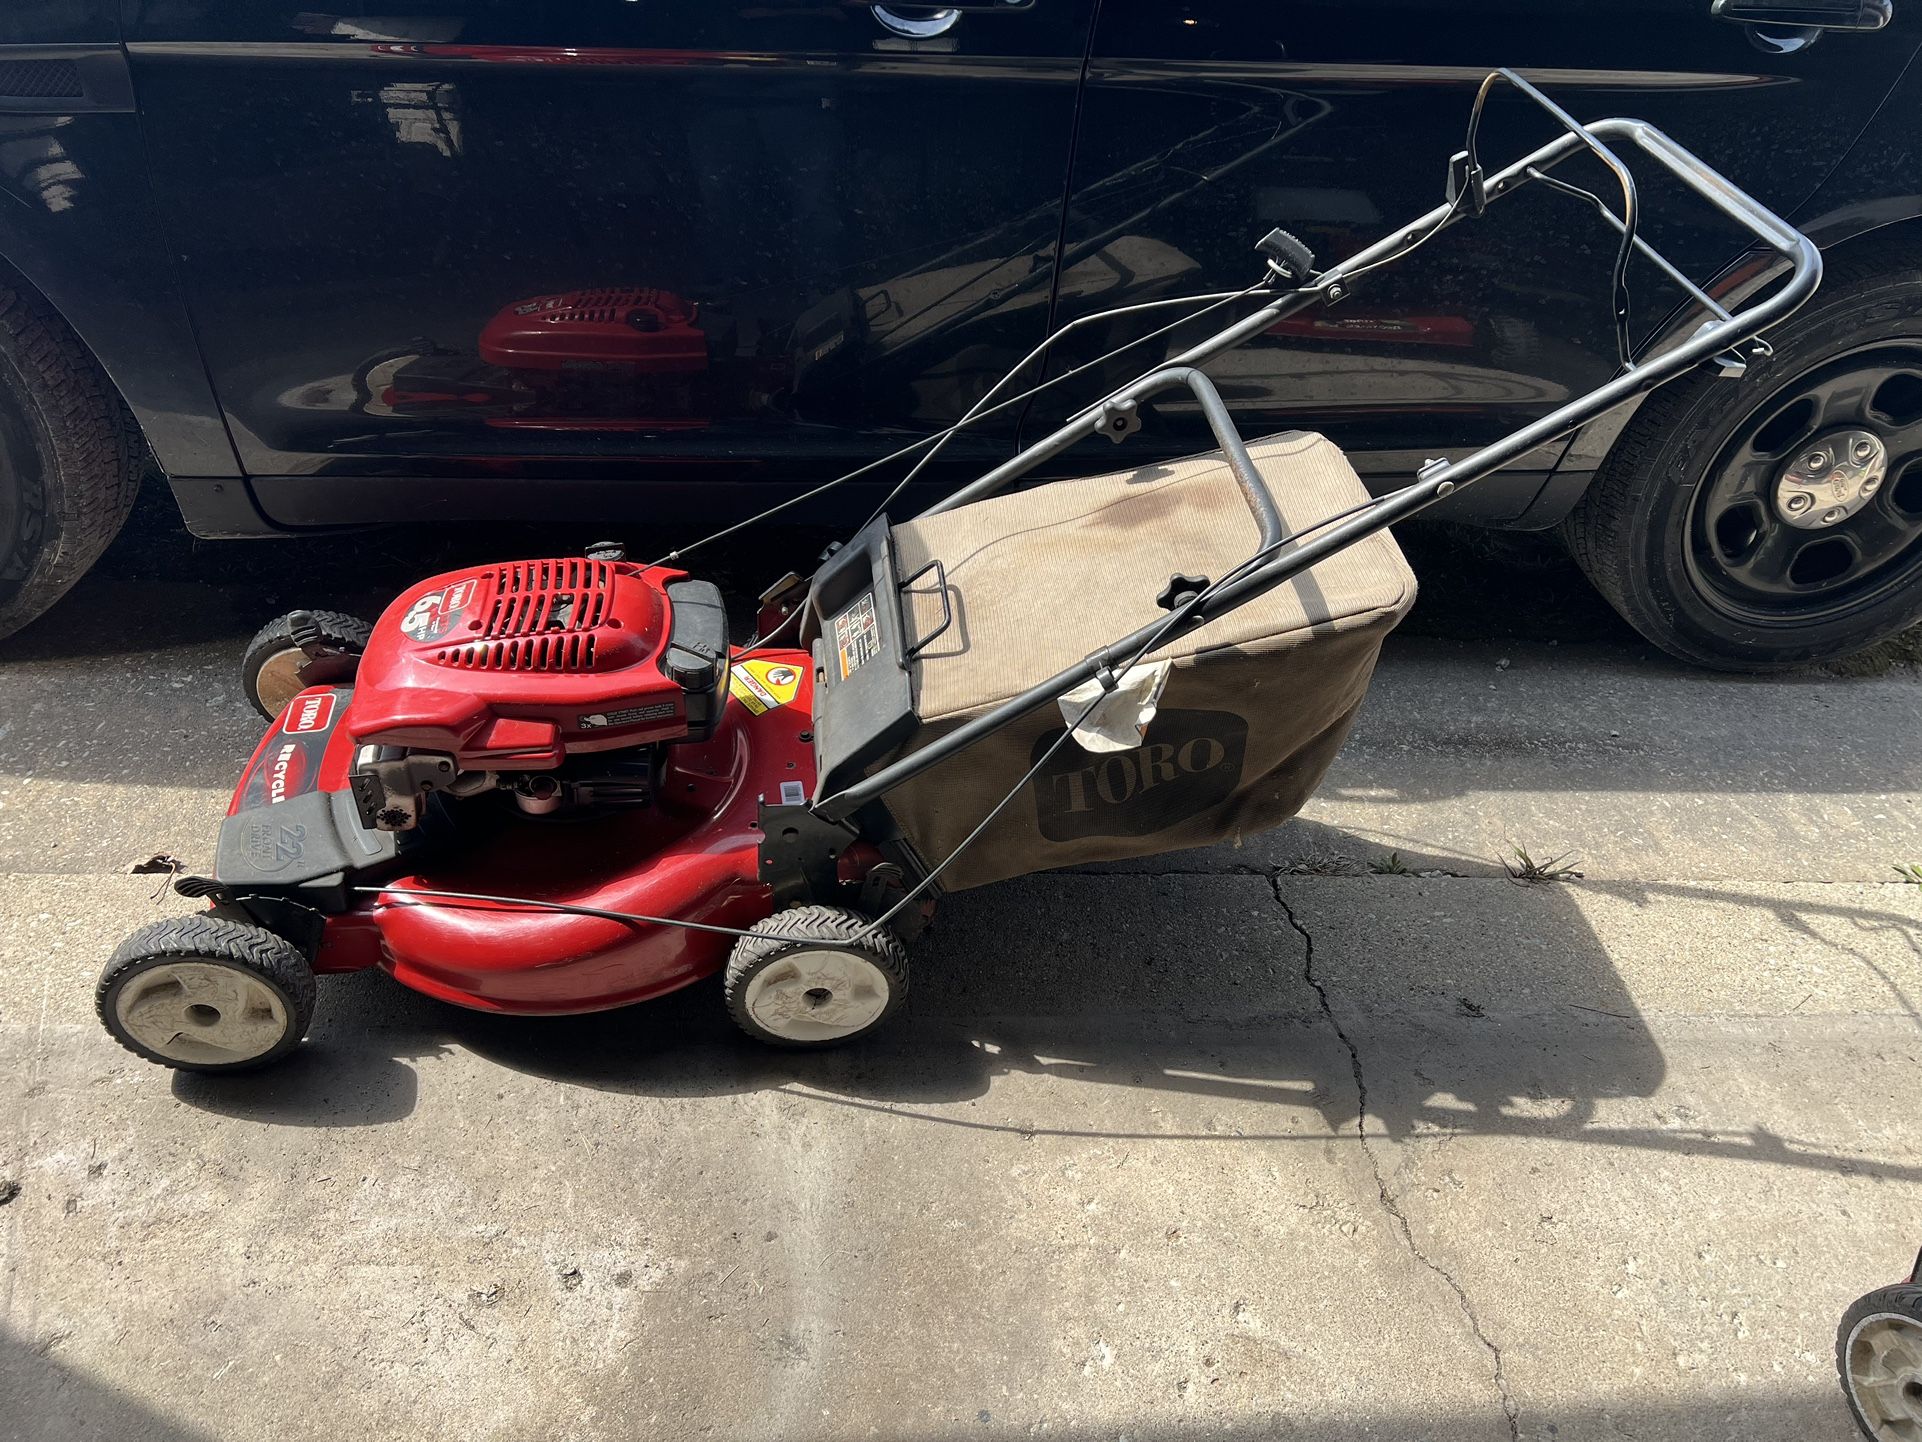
<point x="579" y="738"/>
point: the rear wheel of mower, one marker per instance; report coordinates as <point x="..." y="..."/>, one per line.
<point x="202" y="993"/>
<point x="809" y="978"/>
<point x="1878" y="1353"/>
<point x="270" y="667"/>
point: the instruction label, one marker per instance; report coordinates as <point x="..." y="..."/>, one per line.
<point x="857" y="639"/>
<point x="763" y="685"/>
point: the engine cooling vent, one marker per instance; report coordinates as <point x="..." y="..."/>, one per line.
<point x="591" y="306"/>
<point x="542" y="618"/>
<point x="40" y="80"/>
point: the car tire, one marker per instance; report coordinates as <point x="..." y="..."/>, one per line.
<point x="69" y="459"/>
<point x="1684" y="529"/>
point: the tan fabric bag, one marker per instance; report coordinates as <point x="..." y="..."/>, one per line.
<point x="1256" y="703"/>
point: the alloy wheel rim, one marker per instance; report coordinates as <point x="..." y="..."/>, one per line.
<point x="1813" y="508"/>
<point x="1884" y="1375"/>
<point x="816" y="994"/>
<point x="201" y="1012"/>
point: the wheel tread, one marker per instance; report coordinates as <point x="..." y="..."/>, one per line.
<point x="94" y="460"/>
<point x="1654" y="451"/>
<point x="205" y="935"/>
<point x="807" y="923"/>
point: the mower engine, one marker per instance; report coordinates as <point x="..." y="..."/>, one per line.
<point x="550" y="679"/>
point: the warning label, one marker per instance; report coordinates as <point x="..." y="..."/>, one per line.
<point x="856" y="637"/>
<point x="763" y="685"/>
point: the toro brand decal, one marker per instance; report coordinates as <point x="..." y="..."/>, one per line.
<point x="435" y="614"/>
<point x="1191" y="762"/>
<point x="309" y="713"/>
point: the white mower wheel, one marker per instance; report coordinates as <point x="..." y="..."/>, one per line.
<point x="270" y="666"/>
<point x="1878" y="1352"/>
<point x="202" y="993"/>
<point x="808" y="978"/>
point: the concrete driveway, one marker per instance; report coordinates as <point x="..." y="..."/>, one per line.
<point x="1339" y="1135"/>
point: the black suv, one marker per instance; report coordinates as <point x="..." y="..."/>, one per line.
<point x="675" y="260"/>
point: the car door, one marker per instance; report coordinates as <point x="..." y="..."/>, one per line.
<point x="1334" y="119"/>
<point x="437" y="258"/>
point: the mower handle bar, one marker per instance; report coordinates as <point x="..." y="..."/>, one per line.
<point x="1115" y="418"/>
<point x="1725" y="331"/>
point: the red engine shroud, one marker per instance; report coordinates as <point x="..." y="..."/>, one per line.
<point x="511" y="667"/>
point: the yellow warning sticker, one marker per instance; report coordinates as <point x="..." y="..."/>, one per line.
<point x="762" y="685"/>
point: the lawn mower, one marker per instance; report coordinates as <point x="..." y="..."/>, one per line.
<point x="551" y="786"/>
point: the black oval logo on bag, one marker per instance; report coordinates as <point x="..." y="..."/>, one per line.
<point x="1190" y="762"/>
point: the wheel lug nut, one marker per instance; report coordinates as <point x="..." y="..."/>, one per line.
<point x="1834" y="514"/>
<point x="1798" y="501"/>
<point x="1869" y="486"/>
<point x="1818" y="460"/>
<point x="1864" y="449"/>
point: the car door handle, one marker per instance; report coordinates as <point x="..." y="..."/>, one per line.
<point x="925" y="22"/>
<point x="1806" y="14"/>
<point x="911" y="10"/>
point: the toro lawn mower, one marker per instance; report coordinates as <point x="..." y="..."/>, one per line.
<point x="551" y="786"/>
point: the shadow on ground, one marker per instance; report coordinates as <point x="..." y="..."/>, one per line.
<point x="1191" y="986"/>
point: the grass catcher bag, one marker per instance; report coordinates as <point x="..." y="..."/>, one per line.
<point x="1251" y="708"/>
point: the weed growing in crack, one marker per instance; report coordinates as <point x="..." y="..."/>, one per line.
<point x="1327" y="863"/>
<point x="1525" y="868"/>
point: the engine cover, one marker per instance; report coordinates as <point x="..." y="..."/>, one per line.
<point x="514" y="667"/>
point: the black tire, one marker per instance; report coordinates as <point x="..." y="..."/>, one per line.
<point x="273" y="643"/>
<point x="270" y="960"/>
<point x="1644" y="533"/>
<point x="1854" y="1363"/>
<point x="70" y="459"/>
<point x="815" y="929"/>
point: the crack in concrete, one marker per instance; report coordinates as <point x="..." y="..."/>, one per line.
<point x="1510" y="1413"/>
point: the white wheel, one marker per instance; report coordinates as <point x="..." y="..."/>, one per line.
<point x="810" y="978"/>
<point x="201" y="1011"/>
<point x="271" y="665"/>
<point x="815" y="996"/>
<point x="278" y="680"/>
<point x="204" y="993"/>
<point x="1883" y="1373"/>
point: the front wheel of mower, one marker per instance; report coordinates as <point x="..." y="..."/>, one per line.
<point x="1878" y="1352"/>
<point x="809" y="978"/>
<point x="270" y="668"/>
<point x="202" y="993"/>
